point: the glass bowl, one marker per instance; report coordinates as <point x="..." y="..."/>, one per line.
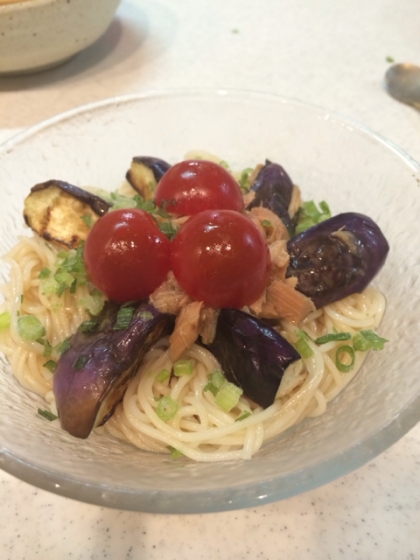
<point x="330" y="158"/>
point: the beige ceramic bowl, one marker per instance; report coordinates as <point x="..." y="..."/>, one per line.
<point x="38" y="34"/>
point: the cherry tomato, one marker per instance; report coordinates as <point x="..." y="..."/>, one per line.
<point x="126" y="255"/>
<point x="220" y="257"/>
<point x="191" y="186"/>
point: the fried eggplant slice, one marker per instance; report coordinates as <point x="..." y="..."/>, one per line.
<point x="252" y="354"/>
<point x="337" y="257"/>
<point x="61" y="212"/>
<point x="145" y="173"/>
<point x="92" y="376"/>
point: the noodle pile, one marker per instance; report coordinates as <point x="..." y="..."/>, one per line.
<point x="200" y="430"/>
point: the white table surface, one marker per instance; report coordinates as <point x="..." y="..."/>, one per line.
<point x="329" y="52"/>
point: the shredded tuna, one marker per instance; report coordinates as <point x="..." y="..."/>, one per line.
<point x="187" y="328"/>
<point x="270" y="224"/>
<point x="288" y="302"/>
<point x="278" y="253"/>
<point x="208" y="324"/>
<point x="169" y="297"/>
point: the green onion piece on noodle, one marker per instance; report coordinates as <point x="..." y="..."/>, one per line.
<point x="344" y="358"/>
<point x="30" y="327"/>
<point x="167" y="408"/>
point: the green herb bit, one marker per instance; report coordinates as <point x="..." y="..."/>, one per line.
<point x="87" y="218"/>
<point x="167" y="408"/>
<point x="90" y="325"/>
<point x="228" y="396"/>
<point x="332" y="337"/>
<point x="216" y="380"/>
<point x="266" y="223"/>
<point x="51" y="365"/>
<point x="368" y="340"/>
<point x="47" y="347"/>
<point x="224" y="164"/>
<point x="175" y="453"/>
<point x="124" y="318"/>
<point x="163" y="375"/>
<point x="168" y="229"/>
<point x="344" y="358"/>
<point x="302" y="345"/>
<point x="62" y="347"/>
<point x="244" y="415"/>
<point x="244" y="180"/>
<point x="30" y="327"/>
<point x="5" y="320"/>
<point x="47" y="414"/>
<point x="309" y="215"/>
<point x="80" y="362"/>
<point x="183" y="367"/>
<point x="120" y="201"/>
<point x="44" y="273"/>
<point x="390" y="59"/>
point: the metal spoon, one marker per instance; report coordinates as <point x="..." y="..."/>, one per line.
<point x="402" y="81"/>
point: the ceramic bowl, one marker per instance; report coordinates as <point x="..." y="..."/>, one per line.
<point x="331" y="158"/>
<point x="38" y="34"/>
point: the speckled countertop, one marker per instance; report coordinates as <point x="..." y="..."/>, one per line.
<point x="330" y="53"/>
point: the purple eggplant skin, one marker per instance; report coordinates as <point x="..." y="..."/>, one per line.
<point x="273" y="190"/>
<point x="156" y="165"/>
<point x="337" y="257"/>
<point x="252" y="354"/>
<point x="98" y="204"/>
<point x="92" y="376"/>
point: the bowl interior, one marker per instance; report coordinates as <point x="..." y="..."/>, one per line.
<point x="330" y="158"/>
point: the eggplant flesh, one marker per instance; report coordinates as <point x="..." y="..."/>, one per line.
<point x="252" y="354"/>
<point x="92" y="376"/>
<point x="337" y="257"/>
<point x="61" y="212"/>
<point x="144" y="174"/>
<point x="273" y="190"/>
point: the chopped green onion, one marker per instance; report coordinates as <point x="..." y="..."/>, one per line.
<point x="266" y="223"/>
<point x="228" y="396"/>
<point x="309" y="215"/>
<point x="303" y="348"/>
<point x="332" y="337"/>
<point x="368" y="340"/>
<point x="5" y="320"/>
<point x="51" y="365"/>
<point x="45" y="273"/>
<point x="168" y="229"/>
<point x="62" y="347"/>
<point x="216" y="380"/>
<point x="244" y="182"/>
<point x="87" y="218"/>
<point x="224" y="164"/>
<point x="243" y="416"/>
<point x="30" y="327"/>
<point x="163" y="375"/>
<point x="80" y="362"/>
<point x="146" y="315"/>
<point x="345" y="353"/>
<point x="175" y="453"/>
<point x="93" y="303"/>
<point x="183" y="367"/>
<point x="47" y="347"/>
<point x="124" y="317"/>
<point x="88" y="326"/>
<point x="47" y="414"/>
<point x="167" y="408"/>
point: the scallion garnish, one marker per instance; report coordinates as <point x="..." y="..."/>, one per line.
<point x="163" y="375"/>
<point x="344" y="358"/>
<point x="368" y="340"/>
<point x="332" y="337"/>
<point x="80" y="362"/>
<point x="87" y="218"/>
<point x="44" y="273"/>
<point x="228" y="396"/>
<point x="62" y="347"/>
<point x="303" y="348"/>
<point x="175" y="453"/>
<point x="51" y="365"/>
<point x="243" y="416"/>
<point x="183" y="367"/>
<point x="167" y="408"/>
<point x="30" y="327"/>
<point x="88" y="326"/>
<point x="309" y="215"/>
<point x="5" y="320"/>
<point x="47" y="347"/>
<point x="244" y="182"/>
<point x="47" y="414"/>
<point x="123" y="319"/>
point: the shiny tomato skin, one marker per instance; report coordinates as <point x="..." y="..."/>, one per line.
<point x="126" y="255"/>
<point x="221" y="257"/>
<point x="192" y="186"/>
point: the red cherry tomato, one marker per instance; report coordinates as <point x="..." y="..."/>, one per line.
<point x="126" y="255"/>
<point x="191" y="186"/>
<point x="220" y="257"/>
